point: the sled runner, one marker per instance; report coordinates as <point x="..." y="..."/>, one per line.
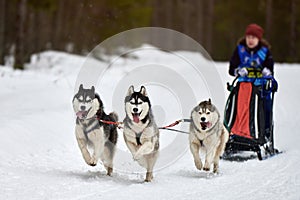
<point x="249" y="119"/>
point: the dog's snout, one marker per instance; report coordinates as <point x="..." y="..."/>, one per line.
<point x="82" y="107"/>
<point x="135" y="110"/>
<point x="203" y="119"/>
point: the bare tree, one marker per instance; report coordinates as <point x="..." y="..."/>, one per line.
<point x="20" y="30"/>
<point x="162" y="17"/>
<point x="2" y="29"/>
<point x="58" y="28"/>
<point x="269" y="13"/>
<point x="169" y="16"/>
<point x="30" y="43"/>
<point x="199" y="20"/>
<point x="293" y="34"/>
<point x="209" y="25"/>
<point x="78" y="24"/>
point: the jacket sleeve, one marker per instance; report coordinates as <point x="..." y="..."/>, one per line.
<point x="234" y="62"/>
<point x="269" y="62"/>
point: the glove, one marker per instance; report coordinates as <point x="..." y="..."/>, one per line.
<point x="241" y="72"/>
<point x="266" y="72"/>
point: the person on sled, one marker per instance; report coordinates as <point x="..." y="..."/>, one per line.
<point x="252" y="61"/>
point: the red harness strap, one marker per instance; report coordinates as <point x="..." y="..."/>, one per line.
<point x="118" y="124"/>
<point x="175" y="123"/>
<point x="171" y="125"/>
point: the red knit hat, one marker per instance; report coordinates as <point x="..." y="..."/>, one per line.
<point x="255" y="30"/>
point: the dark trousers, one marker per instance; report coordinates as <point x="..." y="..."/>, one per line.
<point x="268" y="112"/>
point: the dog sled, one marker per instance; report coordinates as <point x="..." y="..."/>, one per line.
<point x="248" y="117"/>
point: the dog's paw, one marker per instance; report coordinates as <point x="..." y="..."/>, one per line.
<point x="198" y="164"/>
<point x="137" y="157"/>
<point x="149" y="177"/>
<point x="109" y="171"/>
<point x="92" y="162"/>
<point x="206" y="169"/>
<point x="206" y="166"/>
<point x="216" y="168"/>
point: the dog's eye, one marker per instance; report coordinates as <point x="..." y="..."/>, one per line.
<point x="200" y="113"/>
<point x="207" y="113"/>
<point x="88" y="99"/>
<point x="80" y="98"/>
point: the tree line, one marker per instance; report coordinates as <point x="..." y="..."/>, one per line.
<point x="32" y="26"/>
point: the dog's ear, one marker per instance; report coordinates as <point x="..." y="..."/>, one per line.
<point x="143" y="91"/>
<point x="93" y="90"/>
<point x="130" y="90"/>
<point x="212" y="108"/>
<point x="80" y="87"/>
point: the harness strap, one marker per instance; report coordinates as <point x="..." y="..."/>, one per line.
<point x="175" y="123"/>
<point x="170" y="129"/>
<point x="201" y="142"/>
<point x="138" y="138"/>
<point x="87" y="131"/>
<point x="118" y="124"/>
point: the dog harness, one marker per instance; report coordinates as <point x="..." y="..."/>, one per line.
<point x="138" y="138"/>
<point x="201" y="142"/>
<point x="90" y="126"/>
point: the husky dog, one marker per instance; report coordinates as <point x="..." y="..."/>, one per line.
<point x="141" y="134"/>
<point x="95" y="139"/>
<point x="207" y="133"/>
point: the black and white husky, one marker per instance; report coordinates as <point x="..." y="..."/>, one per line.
<point x="96" y="140"/>
<point x="207" y="133"/>
<point x="141" y="133"/>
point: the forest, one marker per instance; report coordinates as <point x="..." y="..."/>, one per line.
<point x="77" y="26"/>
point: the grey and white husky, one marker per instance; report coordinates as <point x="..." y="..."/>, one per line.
<point x="141" y="133"/>
<point x="207" y="133"/>
<point x="96" y="140"/>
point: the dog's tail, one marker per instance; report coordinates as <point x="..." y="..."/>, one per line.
<point x="114" y="116"/>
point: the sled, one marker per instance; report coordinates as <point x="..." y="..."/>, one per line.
<point x="248" y="116"/>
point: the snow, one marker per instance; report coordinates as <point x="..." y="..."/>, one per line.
<point x="40" y="159"/>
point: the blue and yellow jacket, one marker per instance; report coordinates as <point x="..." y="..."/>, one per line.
<point x="253" y="59"/>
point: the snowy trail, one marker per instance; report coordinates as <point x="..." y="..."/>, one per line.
<point x="39" y="157"/>
<point x="249" y="180"/>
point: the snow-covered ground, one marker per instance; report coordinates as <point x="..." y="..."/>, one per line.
<point x="40" y="159"/>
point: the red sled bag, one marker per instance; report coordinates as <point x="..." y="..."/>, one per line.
<point x="249" y="118"/>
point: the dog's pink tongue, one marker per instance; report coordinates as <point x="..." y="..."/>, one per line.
<point x="208" y="124"/>
<point x="136" y="118"/>
<point x="205" y="125"/>
<point x="81" y="114"/>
